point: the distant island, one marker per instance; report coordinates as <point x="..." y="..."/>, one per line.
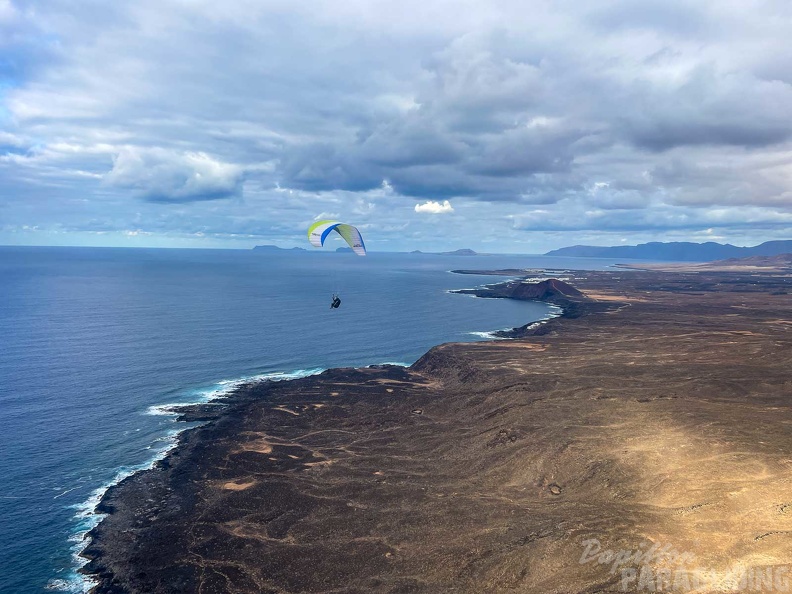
<point x="275" y="248"/>
<point x="462" y="252"/>
<point x="681" y="251"/>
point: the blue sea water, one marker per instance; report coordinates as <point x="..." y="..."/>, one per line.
<point x="93" y="340"/>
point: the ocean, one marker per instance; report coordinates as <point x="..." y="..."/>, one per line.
<point x="94" y="341"/>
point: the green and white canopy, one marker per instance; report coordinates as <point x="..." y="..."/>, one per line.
<point x="318" y="232"/>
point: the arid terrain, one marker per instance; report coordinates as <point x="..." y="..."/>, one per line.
<point x="781" y="263"/>
<point x="657" y="412"/>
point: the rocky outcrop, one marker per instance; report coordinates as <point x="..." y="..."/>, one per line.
<point x="550" y="290"/>
<point x="557" y="292"/>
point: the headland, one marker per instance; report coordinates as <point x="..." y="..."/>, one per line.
<point x="654" y="412"/>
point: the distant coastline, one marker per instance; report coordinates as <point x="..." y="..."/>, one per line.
<point x="459" y="252"/>
<point x="653" y="251"/>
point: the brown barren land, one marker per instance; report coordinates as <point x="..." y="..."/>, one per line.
<point x="658" y="411"/>
<point x="781" y="263"/>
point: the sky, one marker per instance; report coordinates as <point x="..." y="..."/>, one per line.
<point x="498" y="125"/>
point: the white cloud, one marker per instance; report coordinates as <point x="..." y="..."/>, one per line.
<point x="433" y="207"/>
<point x="327" y="216"/>
<point x="7" y="11"/>
<point x="167" y="176"/>
<point x="8" y="139"/>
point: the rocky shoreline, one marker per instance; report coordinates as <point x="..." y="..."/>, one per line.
<point x="655" y="409"/>
<point x="573" y="303"/>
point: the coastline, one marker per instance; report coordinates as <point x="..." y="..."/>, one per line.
<point x="257" y="454"/>
<point x="205" y="408"/>
<point x="210" y="406"/>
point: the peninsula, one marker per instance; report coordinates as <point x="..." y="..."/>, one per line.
<point x="654" y="412"/>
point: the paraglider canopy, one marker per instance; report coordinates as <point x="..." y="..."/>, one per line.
<point x="319" y="231"/>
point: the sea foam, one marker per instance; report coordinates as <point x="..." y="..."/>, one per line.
<point x="86" y="515"/>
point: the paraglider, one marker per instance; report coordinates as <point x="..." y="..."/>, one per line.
<point x="318" y="233"/>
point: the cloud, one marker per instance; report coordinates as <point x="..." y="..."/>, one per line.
<point x="578" y="216"/>
<point x="432" y="207"/>
<point x="164" y="176"/>
<point x="645" y="116"/>
<point x="673" y="18"/>
<point x="709" y="107"/>
<point x="7" y="11"/>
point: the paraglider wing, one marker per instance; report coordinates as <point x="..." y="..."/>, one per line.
<point x="318" y="232"/>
